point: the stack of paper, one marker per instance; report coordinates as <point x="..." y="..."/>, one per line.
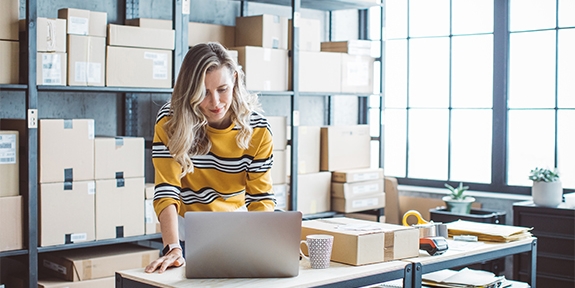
<point x="466" y="277"/>
<point x="488" y="232"/>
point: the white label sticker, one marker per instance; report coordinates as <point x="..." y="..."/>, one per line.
<point x="78" y="25"/>
<point x="362" y="189"/>
<point x="51" y="69"/>
<point x="159" y="65"/>
<point x="357" y="73"/>
<point x="91" y="129"/>
<point x="78" y="237"/>
<point x="267" y="54"/>
<point x="150" y="214"/>
<point x="91" y="188"/>
<point x="8" y="149"/>
<point x="364" y="202"/>
<point x="87" y="72"/>
<point x="54" y="266"/>
<point x="365" y="176"/>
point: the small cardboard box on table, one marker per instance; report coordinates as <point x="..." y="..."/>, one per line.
<point x="360" y="242"/>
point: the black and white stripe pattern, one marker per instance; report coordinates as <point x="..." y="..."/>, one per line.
<point x="232" y="165"/>
<point x="163" y="112"/>
<point x="205" y="196"/>
<point x="257" y="120"/>
<point x="260" y="197"/>
<point x="159" y="150"/>
<point x="261" y="166"/>
<point x="166" y="191"/>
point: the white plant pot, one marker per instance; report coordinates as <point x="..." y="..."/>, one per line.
<point x="548" y="194"/>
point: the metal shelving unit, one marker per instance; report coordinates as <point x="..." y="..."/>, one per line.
<point x="180" y="26"/>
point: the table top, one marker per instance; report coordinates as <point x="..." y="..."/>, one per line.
<point x="307" y="277"/>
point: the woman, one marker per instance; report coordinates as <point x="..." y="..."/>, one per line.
<point x="212" y="149"/>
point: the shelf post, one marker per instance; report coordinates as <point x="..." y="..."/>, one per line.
<point x="32" y="107"/>
<point x="294" y="53"/>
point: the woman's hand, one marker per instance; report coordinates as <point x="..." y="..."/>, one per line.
<point x="174" y="258"/>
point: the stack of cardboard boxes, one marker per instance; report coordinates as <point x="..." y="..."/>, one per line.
<point x="278" y="125"/>
<point x="10" y="198"/>
<point x="357" y="190"/>
<point x="139" y="56"/>
<point x="9" y="46"/>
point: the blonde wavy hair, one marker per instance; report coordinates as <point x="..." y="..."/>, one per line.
<point x="187" y="129"/>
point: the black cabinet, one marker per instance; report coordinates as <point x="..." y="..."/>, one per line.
<point x="555" y="232"/>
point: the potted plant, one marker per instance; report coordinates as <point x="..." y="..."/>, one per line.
<point x="546" y="190"/>
<point x="458" y="202"/>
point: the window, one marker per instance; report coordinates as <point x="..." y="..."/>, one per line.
<point x="479" y="91"/>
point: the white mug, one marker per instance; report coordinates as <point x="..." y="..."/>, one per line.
<point x="319" y="248"/>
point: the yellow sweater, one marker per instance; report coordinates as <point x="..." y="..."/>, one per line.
<point x="223" y="180"/>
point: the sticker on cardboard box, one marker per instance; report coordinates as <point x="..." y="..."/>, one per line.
<point x="364" y="202"/>
<point x="8" y="149"/>
<point x="51" y="69"/>
<point x="366" y="176"/>
<point x="150" y="213"/>
<point x="54" y="266"/>
<point x="368" y="188"/>
<point x="78" y="25"/>
<point x="91" y="132"/>
<point x="91" y="188"/>
<point x="88" y="72"/>
<point x="357" y="73"/>
<point x="159" y="64"/>
<point x="77" y="237"/>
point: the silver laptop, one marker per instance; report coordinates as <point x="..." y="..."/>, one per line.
<point x="242" y="244"/>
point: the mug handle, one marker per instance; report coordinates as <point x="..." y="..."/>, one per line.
<point x="301" y="252"/>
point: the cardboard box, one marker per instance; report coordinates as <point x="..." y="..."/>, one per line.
<point x="356" y="175"/>
<point x="9" y="20"/>
<point x="10" y="163"/>
<point x="108" y="282"/>
<point x="140" y="37"/>
<point x="279" y="127"/>
<point x="355" y="204"/>
<point x="309" y="35"/>
<point x="51" y="68"/>
<point x="385" y="242"/>
<point x="278" y="171"/>
<point x="60" y="161"/>
<point x="268" y="31"/>
<point x="150" y="23"/>
<point x="84" y="22"/>
<point x="50" y="34"/>
<point x="281" y="194"/>
<point x="357" y="189"/>
<point x="234" y="55"/>
<point x="357" y="74"/>
<point x="314" y="193"/>
<point x="138" y="67"/>
<point x="11" y="224"/>
<point x="309" y="149"/>
<point x="345" y="147"/>
<point x="204" y="32"/>
<point x="9" y="62"/>
<point x="96" y="262"/>
<point x="86" y="60"/>
<point x="265" y="68"/>
<point x="118" y="157"/>
<point x="21" y="126"/>
<point x="313" y="64"/>
<point x="351" y="47"/>
<point x="151" y="223"/>
<point x="123" y="197"/>
<point x="66" y="213"/>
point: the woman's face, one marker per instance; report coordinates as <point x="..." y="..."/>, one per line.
<point x="215" y="106"/>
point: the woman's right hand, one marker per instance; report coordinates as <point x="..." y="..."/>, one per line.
<point x="174" y="258"/>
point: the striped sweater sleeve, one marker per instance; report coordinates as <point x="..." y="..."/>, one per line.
<point x="259" y="192"/>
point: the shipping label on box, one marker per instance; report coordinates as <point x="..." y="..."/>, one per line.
<point x="83" y="264"/>
<point x="152" y="225"/>
<point x="138" y="67"/>
<point x="51" y="68"/>
<point x="360" y="203"/>
<point x="62" y="223"/>
<point x="357" y="74"/>
<point x="51" y="34"/>
<point x="86" y="60"/>
<point x="9" y="163"/>
<point x="123" y="196"/>
<point x="9" y="62"/>
<point x="356" y="175"/>
<point x="84" y="22"/>
<point x="359" y="242"/>
<point x="357" y="189"/>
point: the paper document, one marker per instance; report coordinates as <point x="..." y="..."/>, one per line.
<point x="487" y="231"/>
<point x="463" y="278"/>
